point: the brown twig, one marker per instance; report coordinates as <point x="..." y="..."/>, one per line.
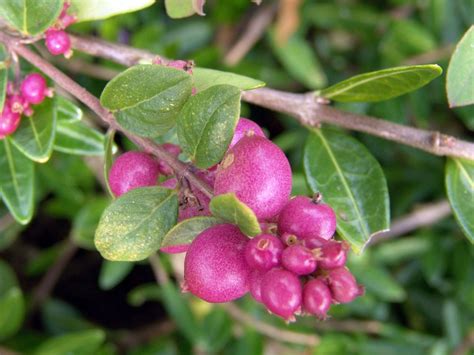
<point x="306" y="108"/>
<point x="158" y="270"/>
<point x="431" y="56"/>
<point x="423" y="216"/>
<point x="350" y="326"/>
<point x="6" y="221"/>
<point x="466" y="345"/>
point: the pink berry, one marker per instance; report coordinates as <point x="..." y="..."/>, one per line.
<point x="332" y="255"/>
<point x="245" y="127"/>
<point x="306" y="218"/>
<point x="314" y="242"/>
<point x="132" y="170"/>
<point x="33" y="88"/>
<point x="259" y="173"/>
<point x="281" y="293"/>
<point x="9" y="120"/>
<point x="175" y="151"/>
<point x="343" y="285"/>
<point x="289" y="239"/>
<point x="255" y="284"/>
<point x="263" y="252"/>
<point x="18" y="103"/>
<point x="58" y="42"/>
<point x="298" y="259"/>
<point x="214" y="268"/>
<point x="316" y="298"/>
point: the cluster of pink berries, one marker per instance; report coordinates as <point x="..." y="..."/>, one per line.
<point x="294" y="267"/>
<point x="56" y="39"/>
<point x="33" y="90"/>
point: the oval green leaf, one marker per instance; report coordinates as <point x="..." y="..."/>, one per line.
<point x="184" y="232"/>
<point x="133" y="226"/>
<point x="35" y="135"/>
<point x="351" y="181"/>
<point x="87" y="10"/>
<point x="31" y="17"/>
<point x="147" y="98"/>
<point x="66" y="110"/>
<point x="460" y="189"/>
<point x="179" y="8"/>
<point x="75" y="137"/>
<point x="16" y="181"/>
<point x="86" y="220"/>
<point x="207" y="122"/>
<point x="108" y="158"/>
<point x="382" y="84"/>
<point x="461" y="72"/>
<point x="229" y="208"/>
<point x="82" y="342"/>
<point x="205" y="78"/>
<point x="12" y="312"/>
<point x="113" y="272"/>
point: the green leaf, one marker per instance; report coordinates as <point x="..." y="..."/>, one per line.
<point x="35" y="135"/>
<point x="75" y="137"/>
<point x="205" y="78"/>
<point x="144" y="293"/>
<point x="86" y="220"/>
<point x="460" y="189"/>
<point x="300" y="60"/>
<point x="230" y="208"/>
<point x="147" y="98"/>
<point x="382" y="84"/>
<point x="7" y="278"/>
<point x="207" y="122"/>
<point x="77" y="343"/>
<point x="16" y="181"/>
<point x="452" y="323"/>
<point x="59" y="317"/>
<point x="3" y="76"/>
<point x="12" y="312"/>
<point x="179" y="8"/>
<point x="87" y="10"/>
<point x="66" y="110"/>
<point x="31" y="17"/>
<point x="184" y="232"/>
<point x="461" y="72"/>
<point x="217" y="330"/>
<point x="133" y="226"/>
<point x="108" y="158"/>
<point x="113" y="272"/>
<point x="351" y="181"/>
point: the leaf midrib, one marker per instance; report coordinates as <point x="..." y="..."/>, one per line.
<point x="464" y="172"/>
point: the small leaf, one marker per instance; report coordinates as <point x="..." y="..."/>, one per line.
<point x="230" y="208"/>
<point x="12" y="312"/>
<point x="147" y="98"/>
<point x="35" y="135"/>
<point x="59" y="317"/>
<point x="87" y="10"/>
<point x="179" y="8"/>
<point x="16" y="181"/>
<point x="133" y="226"/>
<point x="86" y="220"/>
<point x="382" y="84"/>
<point x="81" y="342"/>
<point x="144" y="293"/>
<point x="460" y="189"/>
<point x="205" y="78"/>
<point x="461" y="72"/>
<point x="3" y="76"/>
<point x="108" y="159"/>
<point x="184" y="232"/>
<point x="113" y="272"/>
<point x="31" y="17"/>
<point x="207" y="122"/>
<point x="67" y="111"/>
<point x="75" y="137"/>
<point x="351" y="182"/>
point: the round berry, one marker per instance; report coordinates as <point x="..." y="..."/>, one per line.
<point x="263" y="252"/>
<point x="9" y="120"/>
<point x="214" y="268"/>
<point x="57" y="42"/>
<point x="306" y="218"/>
<point x="255" y="284"/>
<point x="173" y="149"/>
<point x="298" y="259"/>
<point x="132" y="170"/>
<point x="314" y="242"/>
<point x="289" y="239"/>
<point x="316" y="298"/>
<point x="245" y="127"/>
<point x="33" y="88"/>
<point x="259" y="173"/>
<point x="343" y="285"/>
<point x="332" y="255"/>
<point x="281" y="293"/>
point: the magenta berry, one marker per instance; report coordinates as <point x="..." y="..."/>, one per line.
<point x="9" y="120"/>
<point x="299" y="259"/>
<point x="263" y="252"/>
<point x="132" y="170"/>
<point x="58" y="42"/>
<point x="343" y="285"/>
<point x="33" y="88"/>
<point x="255" y="284"/>
<point x="332" y="255"/>
<point x="314" y="242"/>
<point x="245" y="127"/>
<point x="307" y="218"/>
<point x="175" y="151"/>
<point x="215" y="268"/>
<point x="289" y="239"/>
<point x="259" y="173"/>
<point x="281" y="293"/>
<point x="316" y="298"/>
